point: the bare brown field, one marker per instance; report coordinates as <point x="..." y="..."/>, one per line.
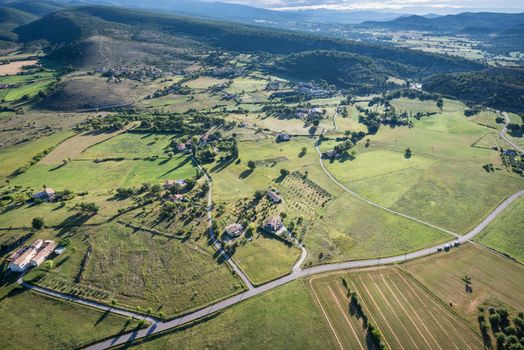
<point x="13" y="68"/>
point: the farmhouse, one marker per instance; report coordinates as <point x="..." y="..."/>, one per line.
<point x="168" y="184"/>
<point x="233" y="230"/>
<point x="282" y="137"/>
<point x="33" y="255"/>
<point x="176" y="198"/>
<point x="331" y="154"/>
<point x="181" y="147"/>
<point x="48" y="194"/>
<point x="275" y="198"/>
<point x="273" y="224"/>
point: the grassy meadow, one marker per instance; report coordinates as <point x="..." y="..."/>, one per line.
<point x="504" y="234"/>
<point x="140" y="270"/>
<point x="495" y="280"/>
<point x="283" y="318"/>
<point x="33" y="321"/>
<point x="443" y="181"/>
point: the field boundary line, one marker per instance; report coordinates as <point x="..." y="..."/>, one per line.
<point x="378" y="311"/>
<point x="325" y="314"/>
<point x="422" y="302"/>
<point x="439" y="303"/>
<point x="412" y="309"/>
<point x="394" y="312"/>
<point x="345" y="316"/>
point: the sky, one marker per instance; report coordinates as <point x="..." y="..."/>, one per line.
<point x="411" y="6"/>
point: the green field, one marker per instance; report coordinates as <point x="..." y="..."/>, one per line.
<point x="496" y="281"/>
<point x="32" y="321"/>
<point x="487" y="118"/>
<point x="265" y="258"/>
<point x="141" y="270"/>
<point x="130" y="145"/>
<point x="18" y="156"/>
<point x="443" y="182"/>
<point x="284" y="318"/>
<point x="87" y="175"/>
<point x="504" y="234"/>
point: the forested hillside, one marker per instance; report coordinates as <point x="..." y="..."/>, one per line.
<point x="72" y="25"/>
<point x="499" y="88"/>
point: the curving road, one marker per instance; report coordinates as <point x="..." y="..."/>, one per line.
<point x="502" y="134"/>
<point x="297" y="271"/>
<point x="295" y="274"/>
<point x="364" y="199"/>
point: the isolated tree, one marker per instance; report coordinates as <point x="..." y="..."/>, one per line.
<point x="440" y="104"/>
<point x="251" y="165"/>
<point x="407" y="153"/>
<point x="37" y="223"/>
<point x="284" y="172"/>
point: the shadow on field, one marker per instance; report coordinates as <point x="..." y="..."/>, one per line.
<point x="178" y="166"/>
<point x="245" y="173"/>
<point x="222" y="165"/>
<point x="72" y="222"/>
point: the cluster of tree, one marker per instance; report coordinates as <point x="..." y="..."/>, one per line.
<point x="343" y="147"/>
<point x="508" y="333"/>
<point x="88" y="208"/>
<point x="500" y="88"/>
<point x="176" y="88"/>
<point x="145" y="188"/>
<point x="32" y="162"/>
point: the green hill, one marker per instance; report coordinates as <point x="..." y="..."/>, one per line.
<point x="501" y="88"/>
<point x="38" y="8"/>
<point x="345" y="63"/>
<point x="12" y="18"/>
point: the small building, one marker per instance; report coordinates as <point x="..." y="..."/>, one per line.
<point x="181" y="147"/>
<point x="59" y="250"/>
<point x="273" y="196"/>
<point x="331" y="154"/>
<point x="168" y="184"/>
<point x="45" y="250"/>
<point x="282" y="137"/>
<point x="273" y="224"/>
<point x="176" y="198"/>
<point x="48" y="195"/>
<point x="234" y="230"/>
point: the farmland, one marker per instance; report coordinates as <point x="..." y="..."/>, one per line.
<point x="443" y="181"/>
<point x="265" y="258"/>
<point x="283" y="318"/>
<point x="140" y="270"/>
<point x="504" y="234"/>
<point x="407" y="315"/>
<point x="495" y="280"/>
<point x="30" y="318"/>
<point x="18" y="156"/>
<point x="101" y="176"/>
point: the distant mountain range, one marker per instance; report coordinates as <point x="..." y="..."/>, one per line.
<point x="211" y="10"/>
<point x="463" y="23"/>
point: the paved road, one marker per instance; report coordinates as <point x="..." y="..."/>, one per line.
<point x="502" y="134"/>
<point x="296" y="274"/>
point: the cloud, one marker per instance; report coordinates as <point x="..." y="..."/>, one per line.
<point x="394" y="5"/>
